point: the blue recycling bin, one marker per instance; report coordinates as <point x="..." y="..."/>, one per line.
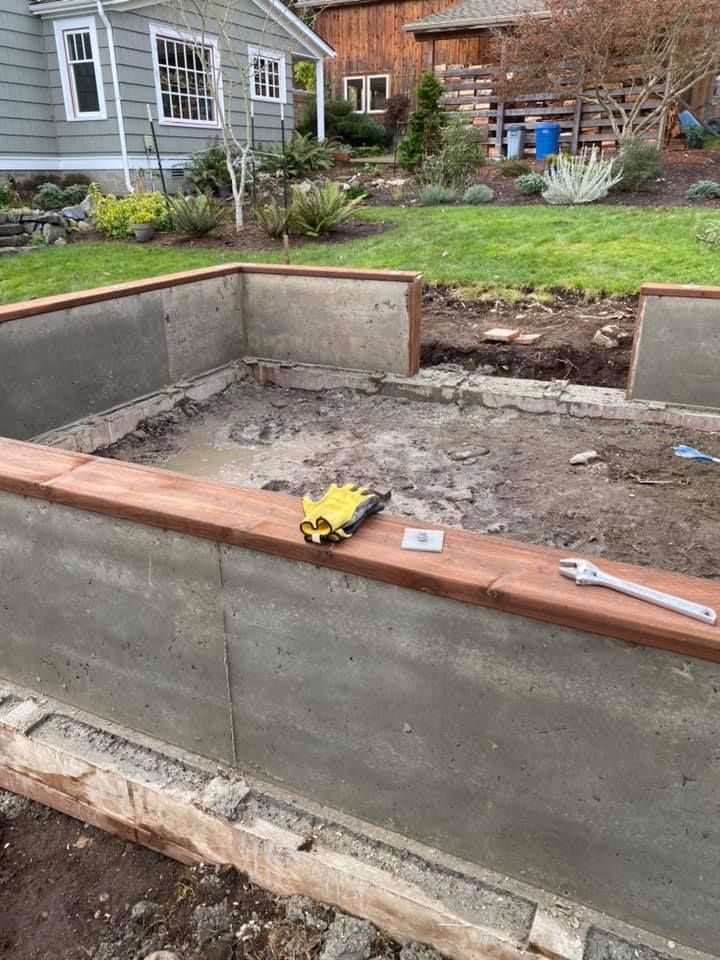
<point x="515" y="141"/>
<point x="547" y="140"/>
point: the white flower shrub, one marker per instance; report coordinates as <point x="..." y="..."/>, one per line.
<point x="581" y="179"/>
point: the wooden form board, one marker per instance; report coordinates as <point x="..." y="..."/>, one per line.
<point x="475" y="569"/>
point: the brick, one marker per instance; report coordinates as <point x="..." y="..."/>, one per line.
<point x="501" y="335"/>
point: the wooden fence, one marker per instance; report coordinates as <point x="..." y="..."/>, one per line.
<point x="471" y="91"/>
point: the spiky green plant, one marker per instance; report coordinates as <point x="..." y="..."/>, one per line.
<point x="320" y="210"/>
<point x="194" y="215"/>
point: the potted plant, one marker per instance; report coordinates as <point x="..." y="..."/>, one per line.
<point x="341" y="152"/>
<point x="143" y="227"/>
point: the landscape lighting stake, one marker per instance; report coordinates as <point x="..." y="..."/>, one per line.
<point x="285" y="239"/>
<point x="252" y="154"/>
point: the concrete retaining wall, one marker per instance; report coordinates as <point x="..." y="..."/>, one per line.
<point x="63" y="358"/>
<point x="676" y="354"/>
<point x="519" y="729"/>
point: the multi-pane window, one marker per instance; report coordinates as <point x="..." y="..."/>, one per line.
<point x="80" y="71"/>
<point x="267" y="75"/>
<point x="367" y="94"/>
<point x="185" y="74"/>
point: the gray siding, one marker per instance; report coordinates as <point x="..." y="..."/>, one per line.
<point x="26" y="115"/>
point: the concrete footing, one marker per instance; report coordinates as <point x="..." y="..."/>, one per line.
<point x="178" y="803"/>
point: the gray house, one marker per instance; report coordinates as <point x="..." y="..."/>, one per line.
<point x="79" y="78"/>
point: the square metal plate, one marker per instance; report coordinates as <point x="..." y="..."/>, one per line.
<point x="429" y="541"/>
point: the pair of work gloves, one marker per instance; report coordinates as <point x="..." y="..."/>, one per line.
<point x="338" y="513"/>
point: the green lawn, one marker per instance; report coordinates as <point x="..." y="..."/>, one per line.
<point x="593" y="249"/>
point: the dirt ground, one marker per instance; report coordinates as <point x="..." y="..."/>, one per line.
<point x="71" y="892"/>
<point x="453" y="327"/>
<point x="492" y="471"/>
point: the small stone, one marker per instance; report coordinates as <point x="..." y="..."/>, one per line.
<point x="469" y="454"/>
<point x="501" y="335"/>
<point x="407" y="728"/>
<point x="460" y="496"/>
<point x="53" y="232"/>
<point x="225" y="797"/>
<point x="348" y="939"/>
<point x="74" y="213"/>
<point x="583" y="459"/>
<point x="527" y="338"/>
<point x="84" y="226"/>
<point x="609" y="343"/>
<point x="104" y="897"/>
<point x="497" y="528"/>
<point x="143" y="911"/>
<point x="60" y="242"/>
<point x="162" y="955"/>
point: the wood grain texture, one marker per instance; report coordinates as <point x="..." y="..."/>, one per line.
<point x="502" y="575"/>
<point x="65" y="301"/>
<point x="173" y="822"/>
<point x="679" y="290"/>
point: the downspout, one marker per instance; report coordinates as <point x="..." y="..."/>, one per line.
<point x="116" y="90"/>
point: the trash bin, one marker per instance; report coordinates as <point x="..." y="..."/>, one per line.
<point x="547" y="140"/>
<point x="515" y="141"/>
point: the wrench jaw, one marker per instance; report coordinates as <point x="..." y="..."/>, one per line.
<point x="583" y="573"/>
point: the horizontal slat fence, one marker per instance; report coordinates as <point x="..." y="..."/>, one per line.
<point x="472" y="91"/>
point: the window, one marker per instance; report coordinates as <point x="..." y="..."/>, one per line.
<point x="80" y="71"/>
<point x="186" y="72"/>
<point x="354" y="89"/>
<point x="267" y="75"/>
<point x="367" y="93"/>
<point x="378" y="92"/>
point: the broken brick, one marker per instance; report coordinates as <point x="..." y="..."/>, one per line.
<point x="501" y="334"/>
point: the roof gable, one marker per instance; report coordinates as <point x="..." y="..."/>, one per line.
<point x="476" y="14"/>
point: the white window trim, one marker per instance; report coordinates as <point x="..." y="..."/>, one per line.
<point x="161" y="30"/>
<point x="346" y="80"/>
<point x="62" y="27"/>
<point x="269" y="55"/>
<point x="376" y="76"/>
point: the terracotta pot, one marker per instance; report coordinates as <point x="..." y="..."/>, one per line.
<point x="341" y="156"/>
<point x="143" y="232"/>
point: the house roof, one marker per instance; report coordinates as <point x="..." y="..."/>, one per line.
<point x="476" y="14"/>
<point x="304" y="34"/>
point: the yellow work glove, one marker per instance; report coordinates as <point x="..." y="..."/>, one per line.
<point x="338" y="513"/>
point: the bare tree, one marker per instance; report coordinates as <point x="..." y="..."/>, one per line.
<point x="592" y="49"/>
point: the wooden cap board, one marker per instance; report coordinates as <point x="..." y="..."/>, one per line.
<point x="486" y="571"/>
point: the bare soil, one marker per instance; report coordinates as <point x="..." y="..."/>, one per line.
<point x="71" y="892"/>
<point x="492" y="471"/>
<point x="453" y="329"/>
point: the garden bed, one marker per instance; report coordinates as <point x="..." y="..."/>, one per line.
<point x="479" y="469"/>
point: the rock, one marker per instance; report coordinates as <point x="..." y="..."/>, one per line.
<point x="60" y="242"/>
<point x="583" y="459"/>
<point x="527" y="338"/>
<point x="225" y="797"/>
<point x="3" y="218"/>
<point x="74" y="213"/>
<point x="88" y="205"/>
<point x="213" y="921"/>
<point x="501" y="335"/>
<point x="143" y="910"/>
<point x="348" y="939"/>
<point x="602" y="340"/>
<point x="10" y="229"/>
<point x="19" y="240"/>
<point x="497" y="528"/>
<point x="162" y="955"/>
<point x="460" y="496"/>
<point x="53" y="232"/>
<point x="418" y="951"/>
<point x="306" y="911"/>
<point x="84" y="226"/>
<point x="469" y="454"/>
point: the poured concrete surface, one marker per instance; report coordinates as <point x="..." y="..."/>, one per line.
<point x="677" y="353"/>
<point x="480" y="469"/>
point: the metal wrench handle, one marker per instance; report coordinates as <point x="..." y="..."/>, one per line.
<point x="695" y="610"/>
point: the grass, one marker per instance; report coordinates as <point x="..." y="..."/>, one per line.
<point x="590" y="249"/>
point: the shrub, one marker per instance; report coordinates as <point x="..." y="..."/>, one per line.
<point x="194" y="215"/>
<point x="273" y="219"/>
<point x="340" y="122"/>
<point x="478" y="193"/>
<point x="710" y="234"/>
<point x="363" y="152"/>
<point x="704" y="190"/>
<point x="320" y="210"/>
<point x="8" y="196"/>
<point x="304" y="154"/>
<point x="425" y="124"/>
<point x="357" y="192"/>
<point x="208" y="170"/>
<point x="696" y="137"/>
<point x="435" y="194"/>
<point x="530" y="184"/>
<point x="396" y="112"/>
<point x="580" y="179"/>
<point x="74" y="194"/>
<point x="640" y="164"/>
<point x="513" y="168"/>
<point x="115" y="217"/>
<point x="459" y="155"/>
<point x="49" y="197"/>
